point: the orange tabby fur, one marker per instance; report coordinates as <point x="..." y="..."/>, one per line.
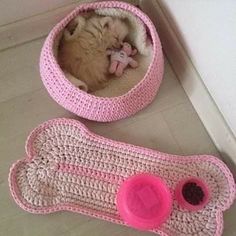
<point x="84" y="56"/>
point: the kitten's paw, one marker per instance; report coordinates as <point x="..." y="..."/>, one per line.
<point x="78" y="83"/>
<point x="81" y="85"/>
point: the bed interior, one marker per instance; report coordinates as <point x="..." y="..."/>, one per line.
<point x="138" y="37"/>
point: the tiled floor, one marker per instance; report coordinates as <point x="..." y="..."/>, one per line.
<point x="169" y="124"/>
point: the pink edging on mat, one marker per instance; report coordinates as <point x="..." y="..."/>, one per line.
<point x="31" y="152"/>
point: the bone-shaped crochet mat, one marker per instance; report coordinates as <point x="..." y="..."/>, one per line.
<point x="67" y="167"/>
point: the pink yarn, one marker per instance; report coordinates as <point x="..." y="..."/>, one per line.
<point x="87" y="105"/>
<point x="67" y="167"/>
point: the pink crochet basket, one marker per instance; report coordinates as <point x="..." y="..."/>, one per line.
<point x="101" y="108"/>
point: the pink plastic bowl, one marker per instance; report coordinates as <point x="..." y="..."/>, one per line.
<point x="181" y="199"/>
<point x="144" y="201"/>
<point x="90" y="106"/>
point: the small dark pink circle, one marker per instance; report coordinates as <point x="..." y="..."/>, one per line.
<point x="192" y="193"/>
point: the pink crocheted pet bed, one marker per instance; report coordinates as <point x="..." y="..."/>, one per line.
<point x="90" y="106"/>
<point x="67" y="167"/>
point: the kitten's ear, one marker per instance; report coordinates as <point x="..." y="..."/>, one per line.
<point x="76" y="24"/>
<point x="106" y="21"/>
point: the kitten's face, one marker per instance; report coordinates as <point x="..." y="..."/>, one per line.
<point x="116" y="31"/>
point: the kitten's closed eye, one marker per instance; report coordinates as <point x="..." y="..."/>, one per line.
<point x="118" y="42"/>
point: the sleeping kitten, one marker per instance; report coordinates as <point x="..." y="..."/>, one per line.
<point x="83" y="54"/>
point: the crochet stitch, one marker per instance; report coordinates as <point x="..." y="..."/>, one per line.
<point x="67" y="167"/>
